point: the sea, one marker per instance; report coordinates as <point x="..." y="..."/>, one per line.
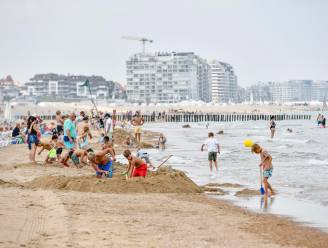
<point x="300" y="161"/>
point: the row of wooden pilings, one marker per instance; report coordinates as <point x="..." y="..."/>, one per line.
<point x="224" y="117"/>
<point x="186" y="117"/>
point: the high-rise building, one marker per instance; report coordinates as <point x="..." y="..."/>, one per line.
<point x="167" y="78"/>
<point x="291" y="91"/>
<point x="319" y="90"/>
<point x="259" y="92"/>
<point x="223" y="82"/>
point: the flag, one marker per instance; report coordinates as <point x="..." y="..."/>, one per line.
<point x="86" y="83"/>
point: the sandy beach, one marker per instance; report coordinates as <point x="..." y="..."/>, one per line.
<point x="51" y="206"/>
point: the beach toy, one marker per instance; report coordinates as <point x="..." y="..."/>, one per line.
<point x="52" y="153"/>
<point x="248" y="143"/>
<point x="261" y="188"/>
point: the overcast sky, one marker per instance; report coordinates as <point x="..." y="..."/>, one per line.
<point x="265" y="40"/>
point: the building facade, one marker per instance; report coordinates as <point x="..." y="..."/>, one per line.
<point x="68" y="86"/>
<point x="224" y="86"/>
<point x="288" y="91"/>
<point x="167" y="78"/>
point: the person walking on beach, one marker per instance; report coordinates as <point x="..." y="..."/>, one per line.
<point x="272" y="126"/>
<point x="266" y="166"/>
<point x="213" y="148"/>
<point x="137" y="122"/>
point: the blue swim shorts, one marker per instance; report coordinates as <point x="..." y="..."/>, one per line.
<point x="107" y="167"/>
<point x="268" y="173"/>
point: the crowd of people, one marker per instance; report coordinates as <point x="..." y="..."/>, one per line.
<point x="69" y="138"/>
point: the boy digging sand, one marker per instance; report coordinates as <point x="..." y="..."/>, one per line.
<point x="266" y="165"/>
<point x="137" y="167"/>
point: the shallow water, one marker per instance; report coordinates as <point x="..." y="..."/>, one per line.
<point x="300" y="162"/>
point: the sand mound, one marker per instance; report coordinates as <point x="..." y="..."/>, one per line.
<point x="120" y="136"/>
<point x="163" y="181"/>
<point x="247" y="193"/>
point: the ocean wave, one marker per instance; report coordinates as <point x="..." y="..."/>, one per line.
<point x="318" y="162"/>
<point x="311" y="141"/>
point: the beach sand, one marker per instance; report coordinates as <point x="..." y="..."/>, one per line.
<point x="163" y="210"/>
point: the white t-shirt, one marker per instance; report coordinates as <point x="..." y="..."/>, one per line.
<point x="212" y="145"/>
<point x="109" y="125"/>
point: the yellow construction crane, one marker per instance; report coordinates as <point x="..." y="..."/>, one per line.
<point x="142" y="40"/>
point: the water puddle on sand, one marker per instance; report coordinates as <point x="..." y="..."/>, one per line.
<point x="306" y="213"/>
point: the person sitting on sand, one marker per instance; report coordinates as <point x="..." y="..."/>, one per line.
<point x="128" y="142"/>
<point x="137" y="167"/>
<point x="266" y="166"/>
<point x="102" y="163"/>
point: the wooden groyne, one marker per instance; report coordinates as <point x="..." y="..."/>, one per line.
<point x="187" y="117"/>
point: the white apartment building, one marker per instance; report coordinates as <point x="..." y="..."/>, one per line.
<point x="291" y="91"/>
<point x="319" y="90"/>
<point x="167" y="78"/>
<point x="223" y="82"/>
<point x="68" y="86"/>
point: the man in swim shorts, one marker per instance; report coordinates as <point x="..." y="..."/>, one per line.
<point x="102" y="163"/>
<point x="137" y="122"/>
<point x="137" y="167"/>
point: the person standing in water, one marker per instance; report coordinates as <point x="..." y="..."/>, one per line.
<point x="266" y="166"/>
<point x="213" y="149"/>
<point x="272" y="126"/>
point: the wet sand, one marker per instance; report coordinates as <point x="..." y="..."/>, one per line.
<point x="35" y="215"/>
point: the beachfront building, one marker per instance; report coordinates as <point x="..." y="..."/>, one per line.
<point x="259" y="92"/>
<point x="319" y="90"/>
<point x="291" y="91"/>
<point x="9" y="89"/>
<point x="53" y="86"/>
<point x="167" y="78"/>
<point x="224" y="87"/>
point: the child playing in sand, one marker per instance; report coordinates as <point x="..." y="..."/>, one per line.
<point x="76" y="156"/>
<point x="51" y="147"/>
<point x="137" y="167"/>
<point x="266" y="165"/>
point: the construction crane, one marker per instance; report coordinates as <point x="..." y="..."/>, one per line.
<point x="143" y="40"/>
